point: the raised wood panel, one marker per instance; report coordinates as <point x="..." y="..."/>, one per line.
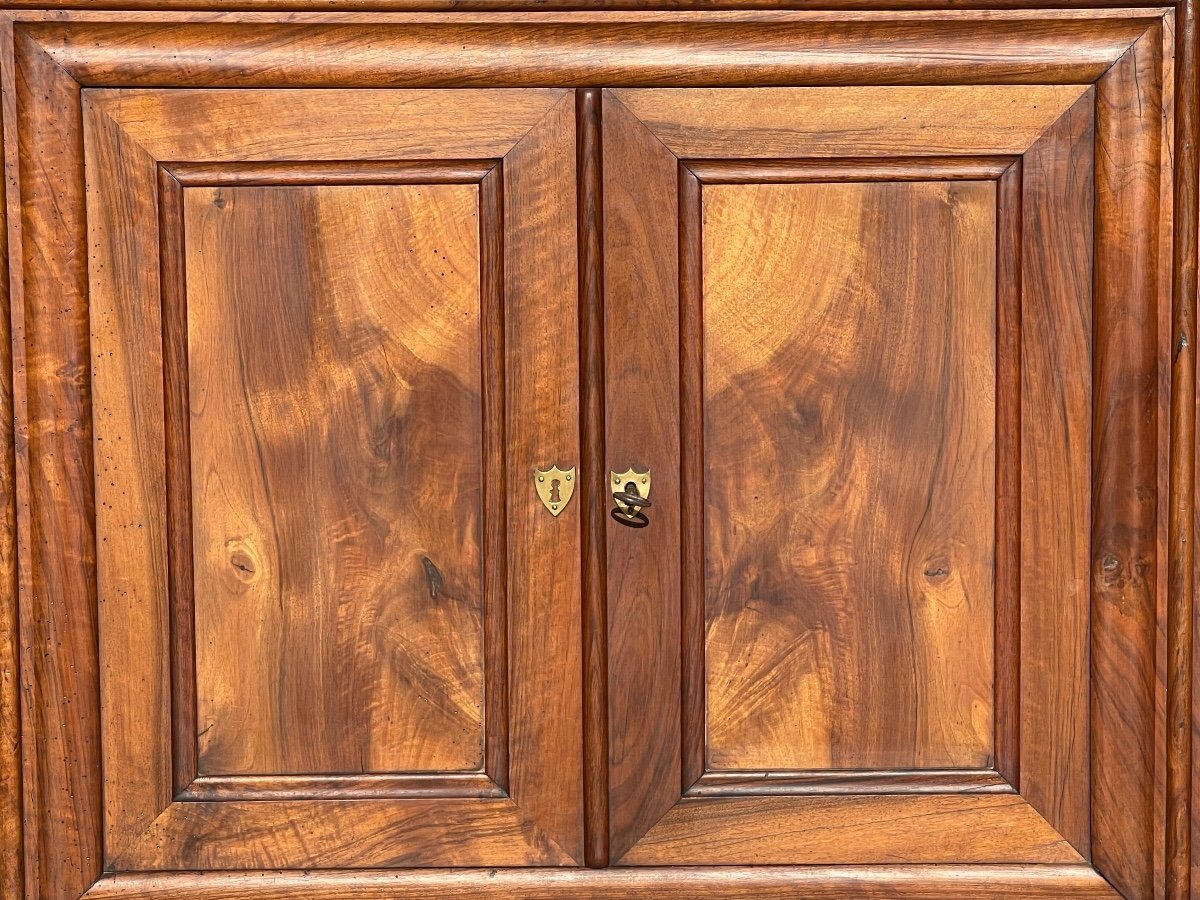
<point x="337" y="480"/>
<point x="849" y="474"/>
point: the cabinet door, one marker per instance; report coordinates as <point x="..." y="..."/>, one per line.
<point x="330" y="333"/>
<point x="893" y="356"/>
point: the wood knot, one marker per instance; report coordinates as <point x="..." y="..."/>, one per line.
<point x="242" y="561"/>
<point x="432" y="577"/>
<point x="937" y="570"/>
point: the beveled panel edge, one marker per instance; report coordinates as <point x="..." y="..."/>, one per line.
<point x="843" y="781"/>
<point x="330" y="173"/>
<point x="477" y="785"/>
<point x="801" y="171"/>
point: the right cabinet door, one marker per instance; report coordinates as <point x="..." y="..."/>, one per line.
<point x="894" y="357"/>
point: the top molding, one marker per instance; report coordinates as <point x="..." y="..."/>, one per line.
<point x="942" y="50"/>
<point x="558" y="6"/>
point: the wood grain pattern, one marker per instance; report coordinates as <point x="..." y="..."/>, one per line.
<point x="476" y="785"/>
<point x="12" y="874"/>
<point x="691" y="486"/>
<point x="881" y="830"/>
<point x="1028" y="882"/>
<point x="849" y="121"/>
<point x="60" y="679"/>
<point x="1055" y="432"/>
<point x="937" y="45"/>
<point x="593" y="498"/>
<point x="1182" y="832"/>
<point x="417" y="832"/>
<point x="176" y="445"/>
<point x="128" y="416"/>
<point x="415" y="808"/>
<point x="336" y="457"/>
<point x="1125" y="564"/>
<point x="850" y="781"/>
<point x="519" y="9"/>
<point x="541" y="339"/>
<point x="588" y="53"/>
<point x="325" y="125"/>
<point x="1007" y="616"/>
<point x="849" y="474"/>
<point x="790" y="171"/>
<point x="338" y="172"/>
<point x="641" y="316"/>
<point x="516" y="7"/>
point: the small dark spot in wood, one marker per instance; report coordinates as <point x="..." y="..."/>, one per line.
<point x="938" y="573"/>
<point x="433" y="576"/>
<point x="219" y="200"/>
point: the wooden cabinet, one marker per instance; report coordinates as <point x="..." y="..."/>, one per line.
<point x="887" y="314"/>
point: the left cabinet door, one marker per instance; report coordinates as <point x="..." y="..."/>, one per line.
<point x="292" y="357"/>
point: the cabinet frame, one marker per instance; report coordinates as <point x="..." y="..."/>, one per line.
<point x="50" y="62"/>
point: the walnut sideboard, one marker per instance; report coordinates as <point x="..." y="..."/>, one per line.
<point x="486" y="448"/>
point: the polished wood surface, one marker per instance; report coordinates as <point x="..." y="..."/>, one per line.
<point x="579" y="54"/>
<point x="1062" y="116"/>
<point x="481" y="657"/>
<point x="542" y="402"/>
<point x="1039" y="482"/>
<point x="895" y="882"/>
<point x="1055" y="431"/>
<point x="848" y="474"/>
<point x="12" y="863"/>
<point x="641" y="386"/>
<point x="334" y="372"/>
<point x="865" y="121"/>
<point x="1126" y="563"/>
<point x="61" y="746"/>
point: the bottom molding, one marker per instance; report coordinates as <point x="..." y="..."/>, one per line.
<point x="812" y="882"/>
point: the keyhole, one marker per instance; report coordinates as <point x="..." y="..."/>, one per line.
<point x="554" y="498"/>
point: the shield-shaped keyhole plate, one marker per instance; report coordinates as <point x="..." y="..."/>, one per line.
<point x="555" y="487"/>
